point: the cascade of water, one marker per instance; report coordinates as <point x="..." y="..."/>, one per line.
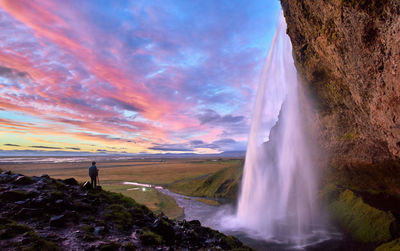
<point x="277" y="199"/>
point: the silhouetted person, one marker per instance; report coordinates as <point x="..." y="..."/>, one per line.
<point x="93" y="172"/>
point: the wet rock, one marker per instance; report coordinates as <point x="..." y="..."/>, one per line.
<point x="44" y="177"/>
<point x="195" y="223"/>
<point x="87" y="186"/>
<point x="71" y="181"/>
<point x="40" y="201"/>
<point x="100" y="230"/>
<point x="14" y="195"/>
<point x="4" y="178"/>
<point x="164" y="228"/>
<point x="23" y="180"/>
<point x="58" y="221"/>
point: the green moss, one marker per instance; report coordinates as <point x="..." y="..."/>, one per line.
<point x="57" y="195"/>
<point x="129" y="247"/>
<point x="117" y="198"/>
<point x="90" y="237"/>
<point x="230" y="242"/>
<point x="324" y="90"/>
<point x="36" y="242"/>
<point x="109" y="246"/>
<point x="390" y="246"/>
<point x="363" y="222"/>
<point x="12" y="229"/>
<point x="100" y="223"/>
<point x="348" y="136"/>
<point x="150" y="238"/>
<point x="329" y="30"/>
<point x="87" y="228"/>
<point x="43" y="245"/>
<point x="119" y="215"/>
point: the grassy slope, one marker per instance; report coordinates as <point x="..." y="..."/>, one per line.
<point x="222" y="184"/>
<point x="154" y="200"/>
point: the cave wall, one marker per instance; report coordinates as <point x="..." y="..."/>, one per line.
<point x="347" y="53"/>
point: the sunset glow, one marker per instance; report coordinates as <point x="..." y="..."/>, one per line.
<point x="130" y="76"/>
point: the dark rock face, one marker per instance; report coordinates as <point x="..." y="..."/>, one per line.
<point x="348" y="54"/>
<point x="40" y="213"/>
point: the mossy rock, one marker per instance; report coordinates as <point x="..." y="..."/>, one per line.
<point x="150" y="238"/>
<point x="363" y="222"/>
<point x="87" y="228"/>
<point x="390" y="246"/>
<point x="119" y="215"/>
<point x="12" y="229"/>
<point x="230" y="242"/>
<point x="109" y="246"/>
<point x="43" y="245"/>
<point x="36" y="242"/>
<point x="129" y="247"/>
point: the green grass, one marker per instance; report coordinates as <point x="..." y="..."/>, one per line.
<point x="143" y="171"/>
<point x="223" y="183"/>
<point x="208" y="202"/>
<point x="153" y="199"/>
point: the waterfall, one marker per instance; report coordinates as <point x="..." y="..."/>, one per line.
<point x="278" y="194"/>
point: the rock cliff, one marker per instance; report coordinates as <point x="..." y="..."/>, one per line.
<point x="348" y="55"/>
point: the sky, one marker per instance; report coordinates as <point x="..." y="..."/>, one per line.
<point x="130" y="77"/>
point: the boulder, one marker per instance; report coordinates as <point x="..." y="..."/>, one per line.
<point x="164" y="228"/>
<point x="58" y="221"/>
<point x="23" y="180"/>
<point x="71" y="181"/>
<point x="87" y="186"/>
<point x="100" y="230"/>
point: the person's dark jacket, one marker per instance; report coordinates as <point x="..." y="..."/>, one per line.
<point x="93" y="172"/>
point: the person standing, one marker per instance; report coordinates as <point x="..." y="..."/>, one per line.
<point x="93" y="173"/>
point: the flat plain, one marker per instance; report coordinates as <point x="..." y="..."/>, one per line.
<point x="112" y="174"/>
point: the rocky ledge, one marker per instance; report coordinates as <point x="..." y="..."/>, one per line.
<point x="41" y="213"/>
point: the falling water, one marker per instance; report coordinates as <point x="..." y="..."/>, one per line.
<point x="277" y="199"/>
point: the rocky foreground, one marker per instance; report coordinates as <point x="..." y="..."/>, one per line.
<point x="41" y="213"/>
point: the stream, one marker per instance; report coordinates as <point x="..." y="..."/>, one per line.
<point x="222" y="219"/>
